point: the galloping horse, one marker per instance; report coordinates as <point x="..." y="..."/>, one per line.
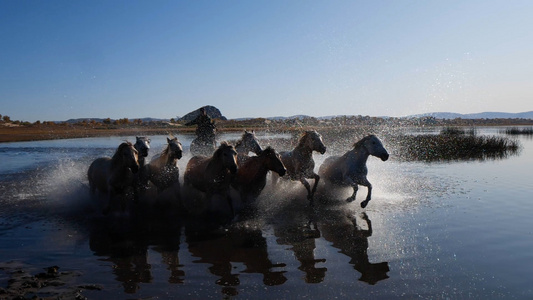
<point x="142" y="145"/>
<point x="350" y="169"/>
<point x="113" y="176"/>
<point x="163" y="169"/>
<point x="204" y="144"/>
<point x="213" y="175"/>
<point x="251" y="175"/>
<point x="247" y="143"/>
<point x="299" y="162"/>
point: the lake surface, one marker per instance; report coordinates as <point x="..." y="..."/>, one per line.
<point x="432" y="230"/>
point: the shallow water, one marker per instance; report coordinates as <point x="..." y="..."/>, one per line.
<point x="432" y="230"/>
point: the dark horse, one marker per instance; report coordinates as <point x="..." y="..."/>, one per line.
<point x="300" y="164"/>
<point x="204" y="143"/>
<point x="113" y="176"/>
<point x="251" y="175"/>
<point x="163" y="169"/>
<point x="247" y="143"/>
<point x="142" y="145"/>
<point x="213" y="175"/>
<point x="350" y="169"/>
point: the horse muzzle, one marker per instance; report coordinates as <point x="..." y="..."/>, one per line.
<point x="282" y="172"/>
<point x="322" y="150"/>
<point x="384" y="156"/>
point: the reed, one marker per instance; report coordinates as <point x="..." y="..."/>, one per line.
<point x="446" y="147"/>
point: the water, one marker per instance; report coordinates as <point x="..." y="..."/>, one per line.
<point x="438" y="230"/>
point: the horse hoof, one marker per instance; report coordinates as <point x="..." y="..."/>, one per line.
<point x="364" y="204"/>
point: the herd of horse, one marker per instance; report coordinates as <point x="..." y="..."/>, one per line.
<point x="228" y="167"/>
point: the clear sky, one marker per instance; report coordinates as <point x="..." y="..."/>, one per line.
<point x="162" y="59"/>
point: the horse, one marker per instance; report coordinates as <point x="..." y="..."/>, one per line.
<point x="113" y="176"/>
<point x="142" y="145"/>
<point x="213" y="175"/>
<point x="350" y="169"/>
<point x="204" y="145"/>
<point x="163" y="169"/>
<point x="251" y="175"/>
<point x="300" y="164"/>
<point x="247" y="143"/>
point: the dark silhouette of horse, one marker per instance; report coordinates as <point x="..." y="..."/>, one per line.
<point x="204" y="143"/>
<point x="300" y="164"/>
<point x="142" y="145"/>
<point x="350" y="169"/>
<point x="213" y="175"/>
<point x="351" y="240"/>
<point x="252" y="173"/>
<point x="248" y="143"/>
<point x="114" y="176"/>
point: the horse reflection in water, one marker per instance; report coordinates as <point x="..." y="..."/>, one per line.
<point x="300" y="231"/>
<point x="239" y="244"/>
<point x="114" y="177"/>
<point x="125" y="245"/>
<point x="352" y="240"/>
<point x="248" y="143"/>
<point x="350" y="169"/>
<point x="300" y="164"/>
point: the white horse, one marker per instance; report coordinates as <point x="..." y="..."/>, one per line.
<point x="350" y="169"/>
<point x="247" y="143"/>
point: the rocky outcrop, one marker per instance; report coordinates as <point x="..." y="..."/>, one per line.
<point x="212" y="112"/>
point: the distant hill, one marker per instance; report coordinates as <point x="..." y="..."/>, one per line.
<point x="483" y="115"/>
<point x="212" y="112"/>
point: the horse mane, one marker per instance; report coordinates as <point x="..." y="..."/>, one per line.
<point x="116" y="156"/>
<point x="360" y="143"/>
<point x="167" y="149"/>
<point x="223" y="145"/>
<point x="301" y="141"/>
<point x="239" y="142"/>
<point x="268" y="151"/>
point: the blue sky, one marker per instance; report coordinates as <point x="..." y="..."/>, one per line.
<point x="74" y="59"/>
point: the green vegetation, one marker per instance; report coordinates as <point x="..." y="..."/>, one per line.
<point x="446" y="147"/>
<point x="518" y="131"/>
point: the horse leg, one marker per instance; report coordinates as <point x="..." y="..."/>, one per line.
<point x="308" y="188"/>
<point x="366" y="183"/>
<point x="317" y="179"/>
<point x="352" y="197"/>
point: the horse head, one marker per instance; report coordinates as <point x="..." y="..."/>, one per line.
<point x="228" y="156"/>
<point x="175" y="150"/>
<point x="274" y="162"/>
<point x="374" y="146"/>
<point x="313" y="140"/>
<point x="249" y="143"/>
<point x="142" y="145"/>
<point x="128" y="156"/>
